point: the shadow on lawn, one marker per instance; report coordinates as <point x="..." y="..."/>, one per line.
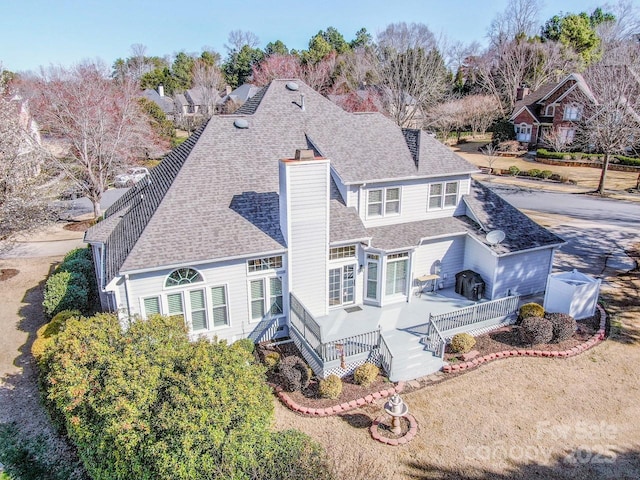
<point x="615" y="463"/>
<point x="30" y="448"/>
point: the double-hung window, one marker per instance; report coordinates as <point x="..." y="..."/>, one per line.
<point x="383" y="201"/>
<point x="442" y="195"/>
<point x="572" y="112"/>
<point x="266" y="297"/>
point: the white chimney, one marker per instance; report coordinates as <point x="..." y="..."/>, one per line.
<point x="161" y="90"/>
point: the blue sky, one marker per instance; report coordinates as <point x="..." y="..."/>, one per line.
<point x="43" y="32"/>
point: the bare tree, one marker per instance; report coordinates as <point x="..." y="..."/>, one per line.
<point x="556" y="138"/>
<point x="447" y="117"/>
<point x="610" y="124"/>
<point x="23" y="200"/>
<point x="490" y="152"/>
<point x="276" y="66"/>
<point x="481" y="111"/>
<point x="411" y="71"/>
<point x="623" y="29"/>
<point x="207" y="81"/>
<point x="519" y="19"/>
<point x="239" y="38"/>
<point x="99" y="119"/>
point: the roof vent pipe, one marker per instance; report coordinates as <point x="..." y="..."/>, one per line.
<point x="302" y="101"/>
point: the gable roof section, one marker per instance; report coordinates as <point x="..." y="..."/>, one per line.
<point x="492" y="212"/>
<point x="531" y="100"/>
<point x="216" y="196"/>
<point x="136" y="207"/>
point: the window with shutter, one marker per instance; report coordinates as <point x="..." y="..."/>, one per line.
<point x="198" y="310"/>
<point x="151" y="306"/>
<point x="219" y="305"/>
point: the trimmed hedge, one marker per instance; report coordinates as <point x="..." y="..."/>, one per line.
<point x="621" y="159"/>
<point x="366" y="374"/>
<point x="462" y="343"/>
<point x="564" y="326"/>
<point x="65" y="291"/>
<point x="330" y="387"/>
<point x="530" y="310"/>
<point x="536" y="330"/>
<point x="294" y="373"/>
<point x="245" y="344"/>
<point x="47" y="333"/>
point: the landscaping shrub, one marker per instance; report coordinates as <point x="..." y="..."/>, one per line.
<point x="330" y="387"/>
<point x="46" y="334"/>
<point x="147" y="403"/>
<point x="534" y="172"/>
<point x="78" y="253"/>
<point x="462" y="343"/>
<point x="245" y="344"/>
<point x="545" y="174"/>
<point x="622" y="160"/>
<point x="513" y="170"/>
<point x="77" y="265"/>
<point x="564" y="326"/>
<point x="502" y="130"/>
<point x="530" y="310"/>
<point x="510" y="146"/>
<point x="536" y="330"/>
<point x="366" y="374"/>
<point x="271" y="360"/>
<point x="294" y="373"/>
<point x="65" y="291"/>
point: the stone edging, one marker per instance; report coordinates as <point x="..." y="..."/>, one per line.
<point x="594" y="340"/>
<point x="406" y="438"/>
<point x="340" y="408"/>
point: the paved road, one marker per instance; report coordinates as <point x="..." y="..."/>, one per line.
<point x="597" y="230"/>
<point x="81" y="206"/>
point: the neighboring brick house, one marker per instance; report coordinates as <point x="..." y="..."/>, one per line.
<point x="554" y="107"/>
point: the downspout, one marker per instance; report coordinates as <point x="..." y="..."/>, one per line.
<point x="126" y="294"/>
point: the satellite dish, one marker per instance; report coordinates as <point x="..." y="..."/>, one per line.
<point x="494" y="237"/>
<point x="241" y="123"/>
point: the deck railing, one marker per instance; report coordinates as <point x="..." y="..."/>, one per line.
<point x="479" y="312"/>
<point x="386" y="357"/>
<point x="345" y="347"/>
<point x="434" y="341"/>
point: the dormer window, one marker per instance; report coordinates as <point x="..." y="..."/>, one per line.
<point x="572" y="112"/>
<point x="383" y="201"/>
<point x="550" y="111"/>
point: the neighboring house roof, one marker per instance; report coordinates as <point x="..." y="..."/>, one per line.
<point x="241" y="94"/>
<point x="199" y="96"/>
<point x="530" y="101"/>
<point x="216" y="196"/>
<point x="165" y="103"/>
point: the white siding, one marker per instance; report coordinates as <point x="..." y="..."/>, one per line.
<point x="480" y="259"/>
<point x="413" y="201"/>
<point x="232" y="274"/>
<point x="352" y="196"/>
<point x="448" y="251"/>
<point x="524" y="273"/>
<point x="307" y="212"/>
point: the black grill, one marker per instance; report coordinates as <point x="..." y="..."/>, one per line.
<point x="469" y="284"/>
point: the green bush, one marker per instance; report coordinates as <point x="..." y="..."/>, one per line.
<point x="65" y="291"/>
<point x="77" y="265"/>
<point x="622" y="160"/>
<point x="513" y="170"/>
<point x="147" y="403"/>
<point x="78" y="253"/>
<point x="294" y="373"/>
<point x="530" y="310"/>
<point x="47" y="333"/>
<point x="271" y="360"/>
<point x="366" y="374"/>
<point x="564" y="326"/>
<point x="502" y="131"/>
<point x="245" y="344"/>
<point x="330" y="387"/>
<point x="544" y="153"/>
<point x="545" y="174"/>
<point x="534" y="172"/>
<point x="536" y="330"/>
<point x="462" y="343"/>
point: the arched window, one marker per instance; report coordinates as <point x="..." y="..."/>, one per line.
<point x="183" y="276"/>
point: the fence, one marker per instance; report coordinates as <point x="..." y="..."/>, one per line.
<point x="479" y="312"/>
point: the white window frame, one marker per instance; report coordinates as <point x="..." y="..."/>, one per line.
<point x="443" y="195"/>
<point x="186" y="284"/>
<point x="523" y="132"/>
<point x="211" y="308"/>
<point x="384" y="202"/>
<point x="143" y="306"/>
<point x="566" y="134"/>
<point x="267" y="296"/>
<point x="343" y="252"/>
<point x="572" y="112"/>
<point x="264" y="265"/>
<point x="372" y="259"/>
<point x="187" y="310"/>
<point x="551" y="106"/>
<point x="391" y="259"/>
<point x="342" y="287"/>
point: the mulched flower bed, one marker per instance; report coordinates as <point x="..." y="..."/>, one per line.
<point x="7" y="273"/>
<point x="309" y="397"/>
<point x="507" y="338"/>
<point x="79" y="226"/>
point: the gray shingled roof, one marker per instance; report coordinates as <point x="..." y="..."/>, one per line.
<point x="494" y="213"/>
<point x="216" y="196"/>
<point x="409" y="235"/>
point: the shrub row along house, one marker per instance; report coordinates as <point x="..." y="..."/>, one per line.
<point x="294" y="218"/>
